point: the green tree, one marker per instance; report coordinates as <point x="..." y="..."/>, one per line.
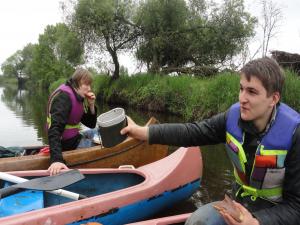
<point x="55" y="56"/>
<point x="106" y="24"/>
<point x="193" y="33"/>
<point x="164" y="41"/>
<point x="19" y="63"/>
<point x="224" y="33"/>
<point x="27" y="54"/>
<point x="13" y="66"/>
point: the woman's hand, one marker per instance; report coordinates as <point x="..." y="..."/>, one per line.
<point x="248" y="219"/>
<point x="91" y="98"/>
<point x="56" y="167"/>
<point x="135" y="131"/>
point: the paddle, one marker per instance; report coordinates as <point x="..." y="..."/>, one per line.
<point x="49" y="183"/>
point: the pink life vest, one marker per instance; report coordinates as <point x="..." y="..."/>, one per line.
<point x="73" y="125"/>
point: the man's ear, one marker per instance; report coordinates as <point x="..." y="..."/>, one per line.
<point x="276" y="98"/>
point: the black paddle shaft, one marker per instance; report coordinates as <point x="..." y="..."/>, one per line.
<point x="4" y="192"/>
<point x="49" y="183"/>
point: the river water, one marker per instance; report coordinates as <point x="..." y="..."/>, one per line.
<point x="23" y="116"/>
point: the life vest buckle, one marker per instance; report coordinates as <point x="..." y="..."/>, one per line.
<point x="249" y="191"/>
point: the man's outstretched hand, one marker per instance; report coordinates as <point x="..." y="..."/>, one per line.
<point x="135" y="131"/>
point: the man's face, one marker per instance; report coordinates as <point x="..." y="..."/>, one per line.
<point x="255" y="105"/>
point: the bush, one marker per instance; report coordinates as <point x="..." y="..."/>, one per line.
<point x="291" y="90"/>
<point x="56" y="84"/>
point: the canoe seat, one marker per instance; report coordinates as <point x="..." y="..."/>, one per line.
<point x="24" y="201"/>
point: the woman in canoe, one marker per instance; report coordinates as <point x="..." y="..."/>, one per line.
<point x="66" y="109"/>
<point x="262" y="140"/>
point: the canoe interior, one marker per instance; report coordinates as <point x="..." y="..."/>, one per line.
<point x="146" y="208"/>
<point x="91" y="185"/>
<point x="97" y="184"/>
<point x="33" y="150"/>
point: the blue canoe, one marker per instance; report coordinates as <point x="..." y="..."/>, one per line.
<point x="115" y="196"/>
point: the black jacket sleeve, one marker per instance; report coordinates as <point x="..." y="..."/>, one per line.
<point x="207" y="132"/>
<point x="88" y="119"/>
<point x="59" y="110"/>
<point x="287" y="212"/>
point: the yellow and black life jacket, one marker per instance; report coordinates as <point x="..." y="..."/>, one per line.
<point x="268" y="170"/>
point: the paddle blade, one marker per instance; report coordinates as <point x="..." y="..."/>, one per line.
<point x="52" y="182"/>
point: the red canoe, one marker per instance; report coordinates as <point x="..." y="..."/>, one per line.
<point x="115" y="196"/>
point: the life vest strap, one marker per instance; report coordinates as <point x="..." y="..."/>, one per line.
<point x="68" y="126"/>
<point x="261" y="193"/>
<point x="72" y="126"/>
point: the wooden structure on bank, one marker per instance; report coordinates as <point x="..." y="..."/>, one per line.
<point x="287" y="60"/>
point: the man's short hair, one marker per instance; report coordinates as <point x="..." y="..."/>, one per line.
<point x="267" y="71"/>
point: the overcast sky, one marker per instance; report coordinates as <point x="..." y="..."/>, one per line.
<point x="288" y="37"/>
<point x="21" y="22"/>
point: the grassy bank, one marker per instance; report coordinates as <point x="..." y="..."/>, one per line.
<point x="291" y="90"/>
<point x="189" y="97"/>
<point x="186" y="96"/>
<point x="8" y="80"/>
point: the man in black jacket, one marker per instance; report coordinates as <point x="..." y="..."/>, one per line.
<point x="262" y="139"/>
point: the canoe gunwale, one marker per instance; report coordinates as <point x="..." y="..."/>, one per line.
<point x="164" y="220"/>
<point x="105" y="156"/>
<point x="39" y="173"/>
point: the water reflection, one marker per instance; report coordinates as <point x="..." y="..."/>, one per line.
<point x="18" y="123"/>
<point x="23" y="116"/>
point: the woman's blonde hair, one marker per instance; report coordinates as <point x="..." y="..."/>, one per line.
<point x="81" y="76"/>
